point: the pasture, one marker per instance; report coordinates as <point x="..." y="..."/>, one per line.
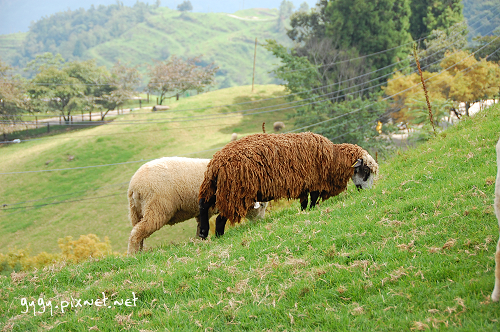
<point x="414" y="253"/>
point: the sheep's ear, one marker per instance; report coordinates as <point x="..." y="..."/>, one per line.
<point x="358" y="163"/>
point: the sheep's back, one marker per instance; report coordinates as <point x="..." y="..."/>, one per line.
<point x="173" y="181"/>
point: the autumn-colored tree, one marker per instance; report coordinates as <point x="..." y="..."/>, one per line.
<point x="473" y="80"/>
<point x="462" y="79"/>
<point x="174" y="76"/>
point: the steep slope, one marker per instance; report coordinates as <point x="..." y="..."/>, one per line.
<point x="414" y="253"/>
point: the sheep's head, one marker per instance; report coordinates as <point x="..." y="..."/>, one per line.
<point x="365" y="170"/>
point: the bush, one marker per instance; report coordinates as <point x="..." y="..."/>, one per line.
<point x="73" y="251"/>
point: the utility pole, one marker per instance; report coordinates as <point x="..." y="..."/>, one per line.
<point x="254" y="57"/>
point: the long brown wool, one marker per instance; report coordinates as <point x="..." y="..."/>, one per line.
<point x="276" y="166"/>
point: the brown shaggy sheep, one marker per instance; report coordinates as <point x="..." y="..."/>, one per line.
<point x="495" y="296"/>
<point x="263" y="167"/>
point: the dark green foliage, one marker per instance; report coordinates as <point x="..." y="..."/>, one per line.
<point x="351" y="121"/>
<point x="428" y="15"/>
<point x="370" y="27"/>
<point x="493" y="46"/>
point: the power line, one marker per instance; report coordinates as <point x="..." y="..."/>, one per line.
<point x="217" y="116"/>
<point x="221" y="115"/>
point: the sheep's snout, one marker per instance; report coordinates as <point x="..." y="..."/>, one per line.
<point x="363" y="176"/>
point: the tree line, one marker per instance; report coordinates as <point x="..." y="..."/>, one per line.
<point x="63" y="87"/>
<point x="350" y="55"/>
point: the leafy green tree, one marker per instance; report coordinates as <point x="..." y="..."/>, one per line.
<point x="306" y="25"/>
<point x="370" y="27"/>
<point x="53" y="89"/>
<point x="185" y="6"/>
<point x="487" y="46"/>
<point x="306" y="83"/>
<point x="429" y="15"/>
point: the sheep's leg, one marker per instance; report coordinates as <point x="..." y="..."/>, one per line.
<point x="198" y="226"/>
<point x="220" y="225"/>
<point x="495" y="296"/>
<point x="314" y="198"/>
<point x="152" y="221"/>
<point x="204" y="224"/>
<point x="303" y="200"/>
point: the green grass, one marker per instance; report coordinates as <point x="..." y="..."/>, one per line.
<point x="63" y="203"/>
<point x="413" y="253"/>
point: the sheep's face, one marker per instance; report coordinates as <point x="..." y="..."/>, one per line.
<point x="363" y="175"/>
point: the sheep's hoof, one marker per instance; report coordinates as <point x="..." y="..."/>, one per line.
<point x="203" y="234"/>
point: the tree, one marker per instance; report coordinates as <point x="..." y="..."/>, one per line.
<point x="487" y="46"/>
<point x="429" y="15"/>
<point x="174" y="76"/>
<point x="118" y="87"/>
<point x="463" y="79"/>
<point x="185" y="6"/>
<point x="285" y="11"/>
<point x="483" y="10"/>
<point x="305" y="25"/>
<point x="440" y="42"/>
<point x="371" y="27"/>
<point x="307" y="82"/>
<point x="54" y="89"/>
<point x="304" y="7"/>
<point x="11" y="94"/>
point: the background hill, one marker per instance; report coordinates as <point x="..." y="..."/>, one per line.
<point x="17" y="15"/>
<point x="414" y="253"/>
<point x="140" y="34"/>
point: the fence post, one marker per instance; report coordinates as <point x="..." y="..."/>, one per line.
<point x="48" y="127"/>
<point x="90" y="116"/>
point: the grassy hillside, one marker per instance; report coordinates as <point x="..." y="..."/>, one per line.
<point x="10" y="45"/>
<point x="226" y="39"/>
<point x="414" y="253"/>
<point x="42" y="207"/>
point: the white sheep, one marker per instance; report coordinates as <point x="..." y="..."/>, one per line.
<point x="165" y="192"/>
<point x="495" y="296"/>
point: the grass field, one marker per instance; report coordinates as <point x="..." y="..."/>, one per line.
<point x="42" y="207"/>
<point x="414" y="253"/>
